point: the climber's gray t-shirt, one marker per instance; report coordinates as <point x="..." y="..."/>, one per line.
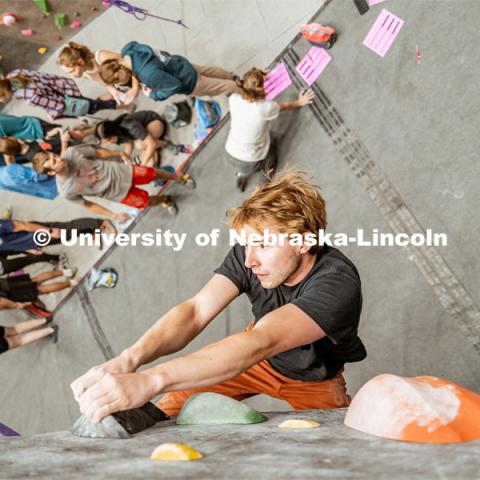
<point x="89" y="176"/>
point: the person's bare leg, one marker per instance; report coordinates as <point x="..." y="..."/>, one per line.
<point x="54" y="287"/>
<point x="45" y="277"/>
<point x="23" y="327"/>
<point x="108" y="227"/>
<point x="79" y="132"/>
<point x="150" y="161"/>
<point x="29" y="337"/>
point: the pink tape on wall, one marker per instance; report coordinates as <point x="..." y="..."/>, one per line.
<point x="313" y="64"/>
<point x="371" y="3"/>
<point x="383" y="33"/>
<point x="276" y="82"/>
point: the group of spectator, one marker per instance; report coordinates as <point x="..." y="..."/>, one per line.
<point x="47" y="159"/>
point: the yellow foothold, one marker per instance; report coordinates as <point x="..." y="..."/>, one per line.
<point x="42" y="50"/>
<point x="175" y="451"/>
<point x="299" y="423"/>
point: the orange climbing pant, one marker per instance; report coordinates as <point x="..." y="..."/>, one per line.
<point x="263" y="378"/>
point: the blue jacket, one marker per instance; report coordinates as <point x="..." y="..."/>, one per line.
<point x="166" y="78"/>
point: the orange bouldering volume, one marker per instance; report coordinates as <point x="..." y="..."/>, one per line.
<point x="418" y="409"/>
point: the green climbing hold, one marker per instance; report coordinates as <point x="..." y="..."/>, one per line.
<point x="214" y="409"/>
<point x="43" y="6"/>
<point x="61" y="20"/>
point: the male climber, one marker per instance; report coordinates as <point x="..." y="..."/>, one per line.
<point x="306" y="301"/>
<point x="84" y="171"/>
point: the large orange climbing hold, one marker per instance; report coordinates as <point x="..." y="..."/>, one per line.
<point x="418" y="409"/>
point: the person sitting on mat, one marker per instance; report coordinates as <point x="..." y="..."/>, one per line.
<point x="18" y="236"/>
<point x="25" y="127"/>
<point x="306" y="301"/>
<point x="143" y="130"/>
<point x="162" y="75"/>
<point x="81" y="174"/>
<point x="249" y="146"/>
<point x="26" y="332"/>
<point x="33" y="128"/>
<point x="22" y="151"/>
<point x="80" y="62"/>
<point x="13" y="261"/>
<point x="52" y="93"/>
<point x="26" y="289"/>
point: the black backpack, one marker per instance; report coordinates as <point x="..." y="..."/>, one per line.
<point x="178" y="114"/>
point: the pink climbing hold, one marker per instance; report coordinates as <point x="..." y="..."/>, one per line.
<point x="9" y="19"/>
<point x="75" y="24"/>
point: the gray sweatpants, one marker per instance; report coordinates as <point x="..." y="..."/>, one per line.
<point x="244" y="169"/>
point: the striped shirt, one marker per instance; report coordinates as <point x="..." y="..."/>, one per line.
<point x="44" y="90"/>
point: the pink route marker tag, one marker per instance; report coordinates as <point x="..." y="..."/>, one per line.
<point x="371" y="3"/>
<point x="383" y="32"/>
<point x="276" y="82"/>
<point x="313" y="64"/>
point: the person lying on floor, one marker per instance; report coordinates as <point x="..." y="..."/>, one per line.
<point x="32" y="128"/>
<point x="13" y="261"/>
<point x="80" y="173"/>
<point x="18" y="236"/>
<point x="306" y="301"/>
<point x="160" y="74"/>
<point x="26" y="127"/>
<point x="79" y="61"/>
<point x="24" y="289"/>
<point x="26" y="332"/>
<point x="48" y="91"/>
<point x="22" y="151"/>
<point x="144" y="131"/>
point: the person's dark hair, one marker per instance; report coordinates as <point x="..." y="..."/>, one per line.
<point x="110" y="128"/>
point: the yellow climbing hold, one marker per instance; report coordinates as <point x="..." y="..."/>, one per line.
<point x="175" y="451"/>
<point x="42" y="50"/>
<point x="299" y="423"/>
